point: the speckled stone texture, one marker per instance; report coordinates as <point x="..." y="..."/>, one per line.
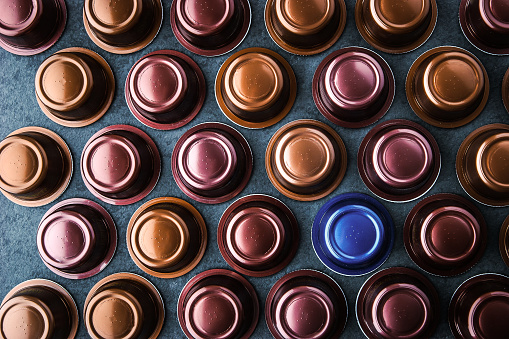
<point x="19" y="260"/>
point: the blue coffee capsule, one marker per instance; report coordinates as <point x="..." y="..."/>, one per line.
<point x="353" y="234"/>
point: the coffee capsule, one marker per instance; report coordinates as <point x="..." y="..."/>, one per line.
<point x="305" y="27"/>
<point x="485" y="23"/>
<point x="395" y="26"/>
<point x="74" y="87"/>
<point x="212" y="163"/>
<point x="505" y="90"/>
<point x="124" y="305"/>
<point x="306" y="304"/>
<point x="122" y="27"/>
<point x="165" y="89"/>
<point x="504" y="241"/>
<point x="210" y="27"/>
<point x="398" y="302"/>
<point x="38" y="308"/>
<point x="479" y="308"/>
<point x="35" y="166"/>
<point x="29" y="27"/>
<point x="445" y="234"/>
<point x="482" y="166"/>
<point x="447" y="87"/>
<point x="255" y="87"/>
<point x="218" y="304"/>
<point x="76" y="238"/>
<point x="353" y="234"/>
<point x="305" y="160"/>
<point x="166" y="237"/>
<point x="120" y="164"/>
<point x="258" y="235"/>
<point x="353" y="87"/>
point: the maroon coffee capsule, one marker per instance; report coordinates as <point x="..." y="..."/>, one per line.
<point x="218" y="304"/>
<point x="211" y="163"/>
<point x="122" y="27"/>
<point x="120" y="164"/>
<point x="28" y="27"/>
<point x="258" y="235"/>
<point x="353" y="87"/>
<point x="165" y="89"/>
<point x="479" y="308"/>
<point x="485" y="24"/>
<point x="505" y="90"/>
<point x="306" y="304"/>
<point x="210" y="27"/>
<point x="399" y="160"/>
<point x="504" y="241"/>
<point x="445" y="234"/>
<point x="482" y="166"/>
<point x="124" y="305"/>
<point x="398" y="302"/>
<point x="74" y="87"/>
<point x="35" y="166"/>
<point x="76" y="238"/>
<point x="447" y="87"/>
<point x="38" y="308"/>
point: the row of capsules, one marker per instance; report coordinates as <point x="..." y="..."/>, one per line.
<point x="353" y="87"/>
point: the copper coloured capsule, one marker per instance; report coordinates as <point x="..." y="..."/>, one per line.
<point x="445" y="234"/>
<point x="29" y="27"/>
<point x="165" y="89"/>
<point x="447" y="87"/>
<point x="305" y="160"/>
<point x="35" y="166"/>
<point x="399" y="160"/>
<point x="38" y="308"/>
<point x="76" y="238"/>
<point x="505" y="90"/>
<point x="398" y="302"/>
<point x="74" y="87"/>
<point x="255" y="87"/>
<point x="211" y="163"/>
<point x="504" y="241"/>
<point x="395" y="26"/>
<point x="124" y="305"/>
<point x="218" y="304"/>
<point x="479" y="308"/>
<point x="122" y="27"/>
<point x="305" y="27"/>
<point x="258" y="235"/>
<point x="210" y="27"/>
<point x="310" y="296"/>
<point x="482" y="166"/>
<point x="353" y="87"/>
<point x="485" y="24"/>
<point x="166" y="237"/>
<point x="120" y="164"/>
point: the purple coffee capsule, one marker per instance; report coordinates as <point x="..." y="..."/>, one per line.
<point x="76" y="238"/>
<point x="353" y="87"/>
<point x="503" y="241"/>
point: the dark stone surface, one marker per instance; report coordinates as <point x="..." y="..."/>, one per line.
<point x="18" y="107"/>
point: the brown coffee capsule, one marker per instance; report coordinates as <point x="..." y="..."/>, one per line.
<point x="29" y="27"/>
<point x="258" y="235"/>
<point x="74" y="87"/>
<point x="395" y="26"/>
<point x="38" y="308"/>
<point x="505" y="90"/>
<point x="482" y="166"/>
<point x="218" y="304"/>
<point x="447" y="87"/>
<point x="35" y="166"/>
<point x="305" y="160"/>
<point x="479" y="308"/>
<point x="255" y="87"/>
<point x="504" y="241"/>
<point x="305" y="27"/>
<point x="445" y="234"/>
<point x="166" y="237"/>
<point x="124" y="305"/>
<point x="122" y="27"/>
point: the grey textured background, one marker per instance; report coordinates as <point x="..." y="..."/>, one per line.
<point x="19" y="260"/>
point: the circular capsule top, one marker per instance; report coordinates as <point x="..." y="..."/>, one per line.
<point x="504" y="241"/>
